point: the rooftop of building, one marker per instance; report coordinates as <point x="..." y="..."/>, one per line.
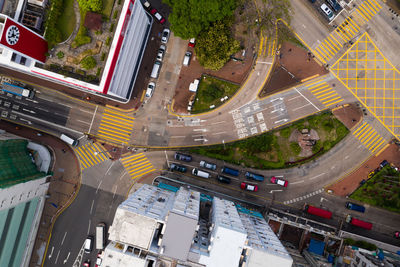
<point x="16" y="163"/>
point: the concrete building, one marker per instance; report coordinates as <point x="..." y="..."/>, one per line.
<point x="23" y="187"/>
<point x="181" y="227"/>
<point x="24" y="50"/>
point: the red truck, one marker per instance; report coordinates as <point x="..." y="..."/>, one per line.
<point x="359" y="223"/>
<point x="317" y="211"/>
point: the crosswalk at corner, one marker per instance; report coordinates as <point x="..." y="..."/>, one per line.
<point x="137" y="165"/>
<point x="319" y="191"/>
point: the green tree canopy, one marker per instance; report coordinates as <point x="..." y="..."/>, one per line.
<point x="215" y="46"/>
<point x="190" y="17"/>
<point x="91" y="5"/>
<point x="88" y="63"/>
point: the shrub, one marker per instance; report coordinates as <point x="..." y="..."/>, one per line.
<point x="81" y="37"/>
<point x="98" y="32"/>
<point x="60" y="54"/>
<point x="360" y="244"/>
<point x="103" y="56"/>
<point x="115" y="14"/>
<point x="285" y="132"/>
<point x="112" y="27"/>
<point x="53" y="35"/>
<point x="294" y="146"/>
<point x="108" y="41"/>
<point x="98" y="72"/>
<point x="88" y="63"/>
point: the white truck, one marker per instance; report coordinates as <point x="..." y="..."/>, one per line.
<point x="100" y="235"/>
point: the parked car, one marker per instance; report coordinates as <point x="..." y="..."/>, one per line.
<point x="208" y="165"/>
<point x="356" y="207"/>
<point x="177" y="167"/>
<point x="186" y="58"/>
<point x="158" y="16"/>
<point x="86" y="263"/>
<point x="182" y="157"/>
<point x="160" y="54"/>
<point x="254" y="176"/>
<point x="230" y="171"/>
<point x="383" y="163"/>
<point x="249" y="187"/>
<point x="99" y="259"/>
<point x="328" y="12"/>
<point x="150" y="89"/>
<point x="192" y="42"/>
<point x="165" y="36"/>
<point x="147" y="5"/>
<point x="88" y="244"/>
<point x="278" y="181"/>
<point x="224" y="179"/>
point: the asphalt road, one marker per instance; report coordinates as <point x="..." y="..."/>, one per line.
<point x="103" y="189"/>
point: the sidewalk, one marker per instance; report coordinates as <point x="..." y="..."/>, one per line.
<point x="64" y="183"/>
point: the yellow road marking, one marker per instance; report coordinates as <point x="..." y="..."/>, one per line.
<point x="137" y="176"/>
<point x="110" y="138"/>
<point x="333" y="103"/>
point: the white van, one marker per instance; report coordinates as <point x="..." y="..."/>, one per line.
<point x="186" y="59"/>
<point x="69" y="140"/>
<point x="199" y="173"/>
<point x="156" y="70"/>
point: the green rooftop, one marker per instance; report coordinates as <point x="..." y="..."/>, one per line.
<point x="16" y="165"/>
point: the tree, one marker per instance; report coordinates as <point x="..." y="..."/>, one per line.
<point x="215" y="46"/>
<point x="91" y="5"/>
<point x="88" y="63"/>
<point x="190" y="17"/>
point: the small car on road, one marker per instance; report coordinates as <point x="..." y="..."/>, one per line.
<point x="249" y="187"/>
<point x="86" y="263"/>
<point x="208" y="165"/>
<point x="88" y="244"/>
<point x="165" y="36"/>
<point x="157" y="15"/>
<point x="278" y="181"/>
<point x="177" y="167"/>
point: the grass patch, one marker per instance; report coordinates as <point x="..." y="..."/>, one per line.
<point x="107" y="7"/>
<point x="382" y="190"/>
<point x="210" y="92"/>
<point x="67" y="20"/>
<point x="81" y="37"/>
<point x="272" y="150"/>
<point x="286" y="35"/>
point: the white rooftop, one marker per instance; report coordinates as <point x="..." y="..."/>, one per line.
<point x="187" y="202"/>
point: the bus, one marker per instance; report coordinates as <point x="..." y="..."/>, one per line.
<point x="317" y="211"/>
<point x="359" y="223"/>
<point x="17" y="90"/>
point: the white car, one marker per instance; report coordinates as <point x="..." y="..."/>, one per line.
<point x="150" y="89"/>
<point x="328" y="12"/>
<point x="160" y="55"/>
<point x="165" y="36"/>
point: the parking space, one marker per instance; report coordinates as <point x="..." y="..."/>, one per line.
<point x="373" y="80"/>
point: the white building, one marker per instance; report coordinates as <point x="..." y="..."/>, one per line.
<point x="23" y="187"/>
<point x="158" y="227"/>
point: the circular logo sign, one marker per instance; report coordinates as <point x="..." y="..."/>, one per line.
<point x="12" y="35"/>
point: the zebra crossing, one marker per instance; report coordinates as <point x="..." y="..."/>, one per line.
<point x="137" y="165"/>
<point x="319" y="191"/>
<point x="91" y="154"/>
<point x="115" y="126"/>
<point x="369" y="137"/>
<point x="347" y="30"/>
<point x="324" y="93"/>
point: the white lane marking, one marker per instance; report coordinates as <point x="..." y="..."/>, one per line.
<point x="298" y="182"/>
<point x="277" y="116"/>
<point x="62" y="241"/>
<point x="218" y="133"/>
<point x="306" y="99"/>
<point x="347" y="157"/>
<point x="52" y="100"/>
<point x="301" y="107"/>
<point x="315" y="177"/>
<point x="98" y="186"/>
<point x="290" y="99"/>
<point x="85" y="122"/>
<point x="264" y="62"/>
<point x="115" y="191"/>
<point x="175" y="125"/>
<point x="197" y="135"/>
<point x="91" y="208"/>
<point x="66" y="259"/>
<point x="88" y="229"/>
<point x="94" y="115"/>
<point x="51" y="254"/>
<point x="87" y="111"/>
<point x="359" y="146"/>
<point x="178" y="136"/>
<point x="218" y="122"/>
<point x="58" y="254"/>
<point x="200" y="130"/>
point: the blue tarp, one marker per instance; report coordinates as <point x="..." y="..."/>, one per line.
<point x="316" y="247"/>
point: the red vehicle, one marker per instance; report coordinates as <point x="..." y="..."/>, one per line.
<point x="157" y="15"/>
<point x="192" y="42"/>
<point x="359" y="223"/>
<point x="249" y="187"/>
<point x="317" y="211"/>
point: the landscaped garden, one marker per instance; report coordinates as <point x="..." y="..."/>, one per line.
<point x="288" y="146"/>
<point x="382" y="190"/>
<point x="210" y="92"/>
<point x="66" y="21"/>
